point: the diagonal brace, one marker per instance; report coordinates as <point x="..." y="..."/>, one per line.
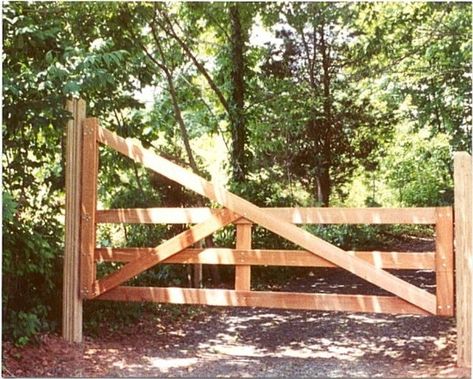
<point x="167" y="249"/>
<point x="308" y="241"/>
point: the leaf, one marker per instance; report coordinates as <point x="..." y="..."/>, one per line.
<point x="9" y="206"/>
<point x="49" y="57"/>
<point x="71" y="88"/>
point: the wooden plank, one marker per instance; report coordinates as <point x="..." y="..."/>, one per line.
<point x="292" y="215"/>
<point x="337" y="256"/>
<point x="258" y="257"/>
<point x="72" y="302"/>
<point x="464" y="256"/>
<point x="166" y="250"/>
<point x="283" y="300"/>
<point x="243" y="272"/>
<point x="155" y="215"/>
<point x="444" y="261"/>
<point x="90" y="163"/>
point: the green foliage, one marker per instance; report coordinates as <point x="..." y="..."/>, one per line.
<point x="422" y="51"/>
<point x="30" y="282"/>
<point x="352" y="237"/>
<point x="9" y="207"/>
<point x="347" y="104"/>
<point x="45" y="61"/>
<point x="418" y="168"/>
<point x="26" y="326"/>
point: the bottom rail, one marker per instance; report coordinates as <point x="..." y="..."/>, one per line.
<point x="283" y="300"/>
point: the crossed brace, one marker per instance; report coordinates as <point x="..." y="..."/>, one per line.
<point x="235" y="207"/>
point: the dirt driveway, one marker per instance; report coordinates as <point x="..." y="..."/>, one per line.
<point x="246" y="342"/>
<point x="185" y="341"/>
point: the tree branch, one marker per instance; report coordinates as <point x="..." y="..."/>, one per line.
<point x="175" y="102"/>
<point x="135" y="168"/>
<point x="169" y="30"/>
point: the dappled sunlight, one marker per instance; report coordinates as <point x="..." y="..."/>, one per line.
<point x="238" y="337"/>
<point x="246" y="342"/>
<point x="369" y="319"/>
<point x="321" y="350"/>
<point x="245" y="350"/>
<point x="165" y="364"/>
<point x="122" y="364"/>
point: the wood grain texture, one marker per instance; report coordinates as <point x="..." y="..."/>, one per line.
<point x="89" y="170"/>
<point x="337" y="256"/>
<point x="292" y="215"/>
<point x="166" y="250"/>
<point x="259" y="257"/>
<point x="71" y="300"/>
<point x="464" y="256"/>
<point x="282" y="300"/>
<point x="444" y="262"/>
<point x="243" y="272"/>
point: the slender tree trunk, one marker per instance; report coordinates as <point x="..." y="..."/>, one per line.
<point x="166" y="24"/>
<point x="195" y="274"/>
<point x="323" y="186"/>
<point x="324" y="183"/>
<point x="180" y="122"/>
<point x="238" y="124"/>
<point x="322" y="139"/>
<point x="235" y="105"/>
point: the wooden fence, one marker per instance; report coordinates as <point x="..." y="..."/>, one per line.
<point x="243" y="257"/>
<point x="369" y="265"/>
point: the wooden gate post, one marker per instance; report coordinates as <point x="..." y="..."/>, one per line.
<point x="444" y="261"/>
<point x="243" y="272"/>
<point x="72" y="302"/>
<point x="464" y="255"/>
<point x="88" y="206"/>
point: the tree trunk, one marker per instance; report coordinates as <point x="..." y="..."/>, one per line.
<point x="237" y="116"/>
<point x="324" y="183"/>
<point x="323" y="187"/>
<point x="235" y="105"/>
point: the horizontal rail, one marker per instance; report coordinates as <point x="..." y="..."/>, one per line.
<point x="276" y="224"/>
<point x="292" y="215"/>
<point x="283" y="300"/>
<point x="255" y="257"/>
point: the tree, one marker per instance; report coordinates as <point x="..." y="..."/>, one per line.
<point x="45" y="62"/>
<point x="237" y="116"/>
<point x="327" y="129"/>
<point x="232" y="100"/>
<point x="340" y="91"/>
<point x="423" y="50"/>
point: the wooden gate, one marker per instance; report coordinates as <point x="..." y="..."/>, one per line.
<point x="370" y="266"/>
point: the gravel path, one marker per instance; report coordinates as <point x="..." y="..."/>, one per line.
<point x="247" y="342"/>
<point x="250" y="342"/>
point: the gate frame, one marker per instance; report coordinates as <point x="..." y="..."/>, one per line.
<point x="80" y="231"/>
<point x="236" y="207"/>
<point x="463" y="192"/>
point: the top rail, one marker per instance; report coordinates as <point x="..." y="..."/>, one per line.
<point x="248" y="210"/>
<point x="424" y="216"/>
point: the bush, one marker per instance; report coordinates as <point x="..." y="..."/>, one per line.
<point x="32" y="268"/>
<point x="419" y="170"/>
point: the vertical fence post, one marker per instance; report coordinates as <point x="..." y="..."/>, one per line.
<point x="243" y="272"/>
<point x="90" y="164"/>
<point x="444" y="261"/>
<point x="72" y="303"/>
<point x="464" y="255"/>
